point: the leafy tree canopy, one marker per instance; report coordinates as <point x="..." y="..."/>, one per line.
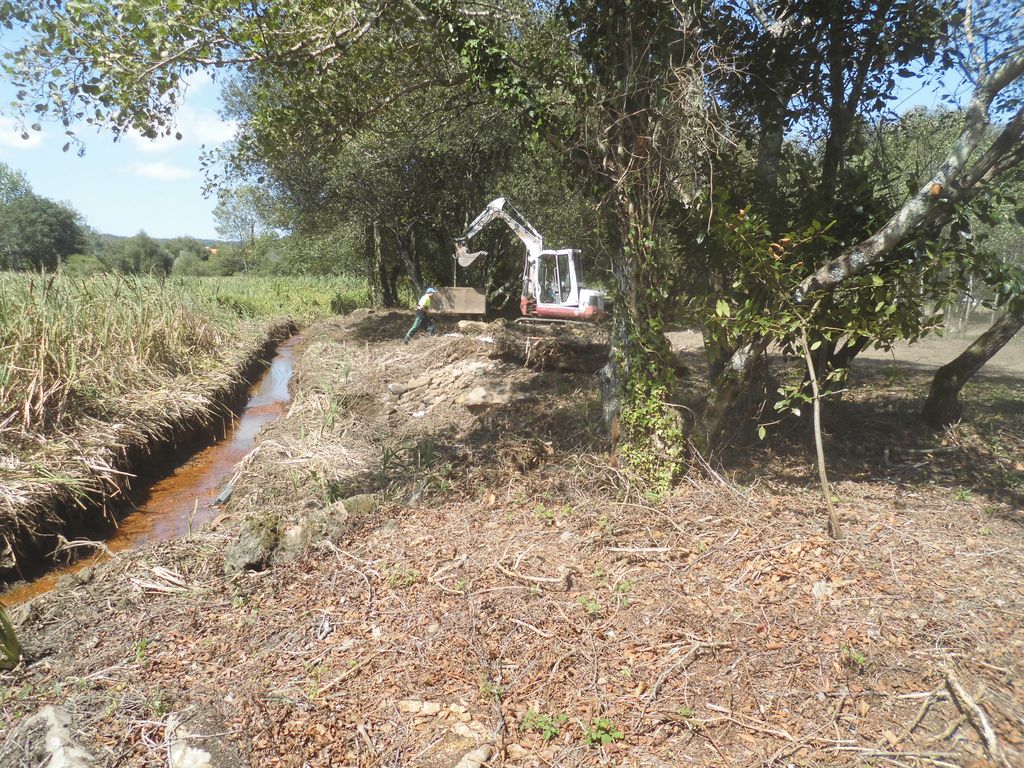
<point x="37" y="233"/>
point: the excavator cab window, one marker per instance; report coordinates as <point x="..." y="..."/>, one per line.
<point x="547" y="279"/>
<point x="564" y="278"/>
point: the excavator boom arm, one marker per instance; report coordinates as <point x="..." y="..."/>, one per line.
<point x="502" y="209"/>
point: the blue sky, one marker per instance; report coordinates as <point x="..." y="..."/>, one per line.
<point x="132" y="184"/>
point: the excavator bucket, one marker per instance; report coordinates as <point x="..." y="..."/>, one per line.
<point x="460" y="301"/>
<point x="464" y="257"/>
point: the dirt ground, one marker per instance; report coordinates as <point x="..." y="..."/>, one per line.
<point x="515" y="597"/>
<point x="930" y="353"/>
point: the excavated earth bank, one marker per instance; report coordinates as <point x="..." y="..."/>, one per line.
<point x="430" y="561"/>
<point x="76" y="485"/>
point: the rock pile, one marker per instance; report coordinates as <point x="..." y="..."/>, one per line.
<point x="473" y="383"/>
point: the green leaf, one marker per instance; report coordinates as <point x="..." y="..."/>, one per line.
<point x="761" y="432"/>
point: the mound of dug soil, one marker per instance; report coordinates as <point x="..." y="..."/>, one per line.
<point x="508" y="598"/>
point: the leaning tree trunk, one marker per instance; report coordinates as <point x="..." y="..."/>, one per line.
<point x="943" y="404"/>
<point x="730" y="391"/>
<point x="957" y="180"/>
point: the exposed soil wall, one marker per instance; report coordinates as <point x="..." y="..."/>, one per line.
<point x="122" y="456"/>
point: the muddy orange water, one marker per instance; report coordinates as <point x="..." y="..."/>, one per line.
<point x="185" y="499"/>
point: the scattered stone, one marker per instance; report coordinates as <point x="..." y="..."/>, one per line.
<point x="490" y="393"/>
<point x="254" y="545"/>
<point x="397" y="389"/>
<point x="516" y="751"/>
<point x="44" y="741"/>
<point x="410" y="706"/>
<point x="416" y="382"/>
<point x="471" y="730"/>
<point x="477" y="757"/>
<point x="431" y="708"/>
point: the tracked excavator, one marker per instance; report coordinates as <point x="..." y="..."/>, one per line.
<point x="552" y="279"/>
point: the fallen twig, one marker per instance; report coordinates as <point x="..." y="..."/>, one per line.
<point x="683" y="663"/>
<point x="976" y="715"/>
<point x="936" y="758"/>
<point x="730" y="716"/>
<point x="934" y="696"/>
<point x="562" y="580"/>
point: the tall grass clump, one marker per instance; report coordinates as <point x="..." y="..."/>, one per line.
<point x="72" y="347"/>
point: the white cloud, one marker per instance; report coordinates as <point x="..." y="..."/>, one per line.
<point x="162" y="171"/>
<point x="197" y="81"/>
<point x="10" y="135"/>
<point x="196" y="126"/>
<point x="208" y="128"/>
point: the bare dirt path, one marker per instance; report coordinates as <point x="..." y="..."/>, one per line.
<point x="928" y="354"/>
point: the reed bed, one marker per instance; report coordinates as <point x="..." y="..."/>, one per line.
<point x="75" y="347"/>
<point x="94" y="369"/>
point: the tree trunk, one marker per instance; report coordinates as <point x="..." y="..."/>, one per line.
<point x="943" y="404"/>
<point x="769" y="155"/>
<point x="371" y="261"/>
<point x="730" y="390"/>
<point x="637" y="382"/>
<point x="839" y="117"/>
<point x="406" y="242"/>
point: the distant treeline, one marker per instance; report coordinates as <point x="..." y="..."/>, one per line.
<point x="38" y="233"/>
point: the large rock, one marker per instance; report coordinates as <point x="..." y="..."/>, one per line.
<point x="490" y="393"/>
<point x="256" y="542"/>
<point x="362" y="504"/>
<point x="199" y="742"/>
<point x="44" y="741"/>
<point x="263" y="539"/>
<point x="330" y="523"/>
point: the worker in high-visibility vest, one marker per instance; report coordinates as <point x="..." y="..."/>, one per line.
<point x="422" y="315"/>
